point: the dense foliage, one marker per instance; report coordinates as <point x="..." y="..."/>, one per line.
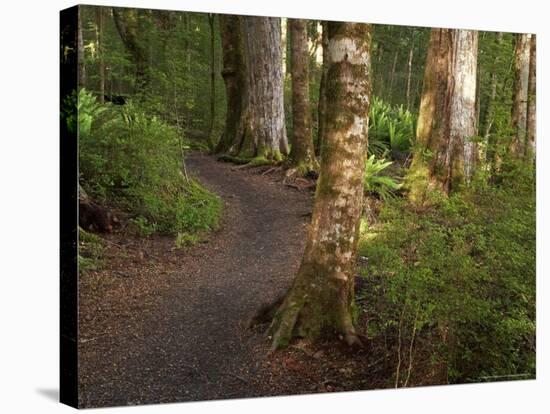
<point x="452" y="286"/>
<point x="134" y="161"/>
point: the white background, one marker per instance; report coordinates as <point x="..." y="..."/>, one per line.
<point x="29" y="208"/>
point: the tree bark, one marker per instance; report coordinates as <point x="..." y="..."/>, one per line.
<point x="389" y="100"/>
<point x="302" y="155"/>
<point x="519" y="106"/>
<point x="264" y="134"/>
<point x="321" y="298"/>
<point x="322" y="91"/>
<point x="445" y="157"/>
<point x="530" y="147"/>
<point x="234" y="76"/>
<point x="127" y="24"/>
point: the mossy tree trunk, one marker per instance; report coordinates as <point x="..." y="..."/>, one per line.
<point x="532" y="100"/>
<point x="321" y="298"/>
<point x="234" y="76"/>
<point x="322" y="106"/>
<point x="445" y="156"/>
<point x="520" y="92"/>
<point x="302" y="155"/>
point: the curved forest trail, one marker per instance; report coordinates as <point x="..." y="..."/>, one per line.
<point x="171" y="326"/>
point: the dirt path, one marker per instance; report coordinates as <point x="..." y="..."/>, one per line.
<point x="174" y="331"/>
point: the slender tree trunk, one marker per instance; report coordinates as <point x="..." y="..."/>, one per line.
<point x="80" y="54"/>
<point x="100" y="22"/>
<point x="234" y="76"/>
<point x="445" y="157"/>
<point x="532" y="100"/>
<point x="302" y="155"/>
<point x="519" y="106"/>
<point x="321" y="109"/>
<point x="392" y="75"/>
<point x="321" y="297"/>
<point x="127" y="24"/>
<point x="409" y="72"/>
<point x="489" y="119"/>
<point x="264" y="134"/>
<point x="212" y="81"/>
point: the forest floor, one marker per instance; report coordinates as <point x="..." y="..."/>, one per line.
<point x="159" y="324"/>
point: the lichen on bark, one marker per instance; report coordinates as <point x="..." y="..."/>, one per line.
<point x="321" y="298"/>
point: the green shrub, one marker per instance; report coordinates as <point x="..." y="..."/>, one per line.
<point x="458" y="277"/>
<point x="390" y="127"/>
<point x="134" y="161"/>
<point x="382" y="185"/>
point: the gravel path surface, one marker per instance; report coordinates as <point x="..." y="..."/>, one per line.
<point x="171" y="326"/>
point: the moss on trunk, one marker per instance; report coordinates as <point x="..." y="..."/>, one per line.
<point x="321" y="299"/>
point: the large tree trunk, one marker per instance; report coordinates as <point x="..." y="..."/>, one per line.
<point x="321" y="298"/>
<point x="445" y="157"/>
<point x="519" y="106"/>
<point x="234" y="76"/>
<point x="127" y="24"/>
<point x="302" y="154"/>
<point x="322" y="106"/>
<point x="532" y="100"/>
<point x="264" y="134"/>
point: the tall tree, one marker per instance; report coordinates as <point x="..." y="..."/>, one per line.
<point x="261" y="130"/>
<point x="302" y="154"/>
<point x="322" y="105"/>
<point x="265" y="132"/>
<point x="127" y="24"/>
<point x="532" y="99"/>
<point x="519" y="106"/>
<point x="212" y="80"/>
<point x="321" y="297"/>
<point x="234" y="76"/>
<point x="409" y="70"/>
<point x="100" y="23"/>
<point x="80" y="54"/>
<point x="444" y="157"/>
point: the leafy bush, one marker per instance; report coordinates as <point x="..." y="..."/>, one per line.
<point x="382" y="185"/>
<point x="390" y="127"/>
<point x="454" y="284"/>
<point x="134" y="161"/>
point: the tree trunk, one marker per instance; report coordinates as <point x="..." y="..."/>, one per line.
<point x="321" y="297"/>
<point x="321" y="109"/>
<point x="389" y="100"/>
<point x="302" y="155"/>
<point x="264" y="135"/>
<point x="127" y="24"/>
<point x="445" y="157"/>
<point x="212" y="82"/>
<point x="100" y="22"/>
<point x="519" y="106"/>
<point x="489" y="119"/>
<point x="80" y="53"/>
<point x="234" y="76"/>
<point x="532" y="100"/>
